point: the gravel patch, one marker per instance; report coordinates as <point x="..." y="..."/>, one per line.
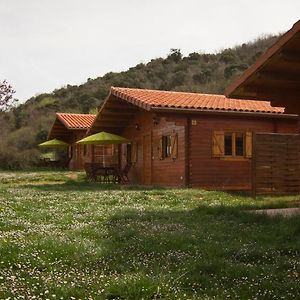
<point x="272" y="212"/>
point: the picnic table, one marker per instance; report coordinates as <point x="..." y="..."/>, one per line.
<point x="100" y="173"/>
<point x="106" y="174"/>
<point x="49" y="163"/>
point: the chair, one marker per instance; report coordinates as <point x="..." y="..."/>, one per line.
<point x="88" y="167"/>
<point x="123" y="174"/>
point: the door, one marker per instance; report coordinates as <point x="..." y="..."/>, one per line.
<point x="147" y="160"/>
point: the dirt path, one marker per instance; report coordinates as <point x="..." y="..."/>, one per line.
<point x="286" y="212"/>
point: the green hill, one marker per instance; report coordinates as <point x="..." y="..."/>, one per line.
<point x="27" y="125"/>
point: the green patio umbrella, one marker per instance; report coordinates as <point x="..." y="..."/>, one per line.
<point x="103" y="138"/>
<point x="53" y="144"/>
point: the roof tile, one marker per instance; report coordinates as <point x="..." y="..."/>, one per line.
<point x="76" y="121"/>
<point x="167" y="99"/>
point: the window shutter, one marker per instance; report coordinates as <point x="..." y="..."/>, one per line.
<point x="161" y="148"/>
<point x="174" y="145"/>
<point x="248" y="143"/>
<point x="218" y="144"/>
<point x="134" y="152"/>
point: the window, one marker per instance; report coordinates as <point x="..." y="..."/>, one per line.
<point x="70" y="152"/>
<point x="166" y="146"/>
<point x="228" y="144"/>
<point x="239" y="144"/>
<point x="134" y="152"/>
<point x="232" y="144"/>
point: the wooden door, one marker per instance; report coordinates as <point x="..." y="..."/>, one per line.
<point x="147" y="160"/>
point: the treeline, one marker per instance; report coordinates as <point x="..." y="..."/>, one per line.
<point x="27" y="125"/>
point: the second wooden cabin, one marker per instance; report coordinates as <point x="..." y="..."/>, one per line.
<point x="70" y="128"/>
<point x="187" y="139"/>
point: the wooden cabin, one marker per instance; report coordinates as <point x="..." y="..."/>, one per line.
<point x="188" y="139"/>
<point x="70" y="128"/>
<point x="275" y="76"/>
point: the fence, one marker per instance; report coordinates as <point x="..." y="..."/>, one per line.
<point x="276" y="164"/>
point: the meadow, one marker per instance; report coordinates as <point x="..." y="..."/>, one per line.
<point x="64" y="238"/>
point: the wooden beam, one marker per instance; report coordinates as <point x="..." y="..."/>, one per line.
<point x="113" y="120"/>
<point x="289" y="56"/>
<point x="114" y="125"/>
<point x="122" y="112"/>
<point x="122" y="106"/>
<point x="280" y="100"/>
<point x="279" y="76"/>
<point x="108" y="129"/>
<point x="268" y="91"/>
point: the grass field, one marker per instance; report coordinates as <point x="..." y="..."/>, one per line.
<point x="64" y="238"/>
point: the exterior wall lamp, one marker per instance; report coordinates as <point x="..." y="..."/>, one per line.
<point x="155" y="120"/>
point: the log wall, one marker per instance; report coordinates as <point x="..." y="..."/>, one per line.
<point x="194" y="165"/>
<point x="211" y="172"/>
<point x="146" y="133"/>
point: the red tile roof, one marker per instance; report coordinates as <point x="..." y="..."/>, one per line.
<point x="76" y="121"/>
<point x="148" y="99"/>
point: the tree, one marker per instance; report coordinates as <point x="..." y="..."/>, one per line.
<point x="6" y="96"/>
<point x="175" y="55"/>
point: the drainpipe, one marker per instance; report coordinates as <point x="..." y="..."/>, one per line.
<point x="187" y="151"/>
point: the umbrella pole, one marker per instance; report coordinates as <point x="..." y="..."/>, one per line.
<point x="103" y="156"/>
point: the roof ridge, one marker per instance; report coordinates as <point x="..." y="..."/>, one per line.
<point x="187" y="93"/>
<point x="165" y="91"/>
<point x="78" y="114"/>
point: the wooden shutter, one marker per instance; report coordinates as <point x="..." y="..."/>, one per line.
<point x="161" y="148"/>
<point x="134" y="152"/>
<point x="174" y="145"/>
<point x="218" y="144"/>
<point x="248" y="144"/>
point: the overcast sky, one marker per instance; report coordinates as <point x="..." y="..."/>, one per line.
<point x="46" y="44"/>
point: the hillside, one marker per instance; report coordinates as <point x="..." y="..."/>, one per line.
<point x="28" y="124"/>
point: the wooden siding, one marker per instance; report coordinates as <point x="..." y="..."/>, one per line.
<point x="276" y="164"/>
<point x="168" y="171"/>
<point x="156" y="171"/>
<point x="211" y="172"/>
<point x="77" y="159"/>
<point x="194" y="165"/>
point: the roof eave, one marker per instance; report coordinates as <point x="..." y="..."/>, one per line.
<point x="131" y="100"/>
<point x="262" y="60"/>
<point x="99" y="112"/>
<point x="223" y="112"/>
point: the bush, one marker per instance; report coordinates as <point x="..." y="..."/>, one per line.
<point x="228" y="56"/>
<point x="13" y="159"/>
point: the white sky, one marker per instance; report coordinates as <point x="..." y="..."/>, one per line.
<point x="46" y="44"/>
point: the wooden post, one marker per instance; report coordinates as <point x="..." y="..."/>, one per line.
<point x="120" y="156"/>
<point x="253" y="166"/>
<point x="299" y="140"/>
<point x="187" y="152"/>
<point x="93" y="154"/>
